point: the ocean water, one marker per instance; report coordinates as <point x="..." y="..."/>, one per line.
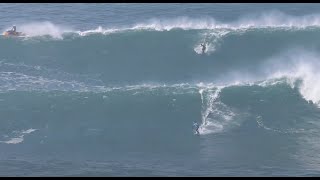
<point x="114" y="90"/>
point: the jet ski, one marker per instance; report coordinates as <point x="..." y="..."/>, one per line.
<point x="11" y="33"/>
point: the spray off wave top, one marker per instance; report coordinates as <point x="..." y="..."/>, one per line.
<point x="273" y="20"/>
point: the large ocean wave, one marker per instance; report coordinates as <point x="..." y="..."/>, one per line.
<point x="259" y="73"/>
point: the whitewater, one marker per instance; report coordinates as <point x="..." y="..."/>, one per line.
<point x="114" y="90"/>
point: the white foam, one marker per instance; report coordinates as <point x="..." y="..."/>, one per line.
<point x="212" y="107"/>
<point x="282" y="131"/>
<point x="20" y="138"/>
<point x="179" y="22"/>
<point x="298" y="65"/>
<point x="24" y="82"/>
<point x="297" y="68"/>
<point x="43" y="28"/>
<point x="278" y="19"/>
<point x="28" y="131"/>
<point x="262" y="20"/>
<point x="98" y="30"/>
<point x="15" y="140"/>
<point x="272" y="19"/>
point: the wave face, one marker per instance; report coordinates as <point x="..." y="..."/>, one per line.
<point x="121" y="100"/>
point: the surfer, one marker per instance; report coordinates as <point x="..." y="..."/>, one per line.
<point x="13" y="30"/>
<point x="203" y="47"/>
<point x="196" y="127"/>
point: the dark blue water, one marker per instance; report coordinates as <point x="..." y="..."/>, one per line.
<point x="114" y="90"/>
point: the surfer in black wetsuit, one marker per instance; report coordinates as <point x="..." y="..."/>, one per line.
<point x="203" y="47"/>
<point x="13" y="30"/>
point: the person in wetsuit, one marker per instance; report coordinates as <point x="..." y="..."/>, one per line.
<point x="13" y="30"/>
<point x="203" y="47"/>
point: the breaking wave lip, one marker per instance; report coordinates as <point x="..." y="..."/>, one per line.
<point x="215" y="115"/>
<point x="300" y="69"/>
<point x="273" y="20"/>
<point x="16" y="81"/>
<point x="20" y="137"/>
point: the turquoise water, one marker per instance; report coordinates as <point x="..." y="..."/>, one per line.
<point x="114" y="90"/>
